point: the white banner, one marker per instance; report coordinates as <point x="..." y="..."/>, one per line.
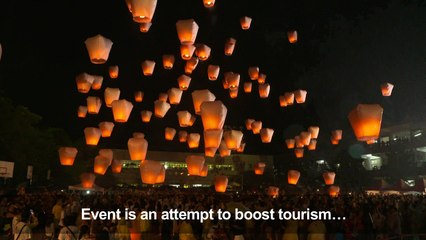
<point x="30" y="172"/>
<point x="6" y="169"/>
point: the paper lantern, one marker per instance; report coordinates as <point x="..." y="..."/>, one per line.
<point x="305" y="138"/>
<point x="213" y="114"/>
<point x="101" y="165"/>
<point x="329" y="178"/>
<point x="264" y="90"/>
<point x="113" y="71"/>
<point x="148" y="67"/>
<point x="168" y="61"/>
<point x="283" y="102"/>
<point x="146" y="116"/>
<point x="184" y="82"/>
<point x="163" y="97"/>
<point x="187" y="51"/>
<point x="256" y="126"/>
<point x="230" y="46"/>
<point x="233" y="139"/>
<point x="161" y="108"/>
<point x="204" y="172"/>
<point x="175" y="95"/>
<point x="98" y="48"/>
<point x="192" y="120"/>
<point x="300" y="96"/>
<point x="299" y="142"/>
<point x="290" y="143"/>
<point x="169" y="134"/>
<point x="266" y="135"/>
<point x="253" y="72"/>
<point x="334" y="191"/>
<point x="203" y="52"/>
<point x="248" y="123"/>
<point x="84" y="82"/>
<point x="298" y="152"/>
<point x="106" y="128"/>
<point x="150" y="171"/>
<point x="200" y="96"/>
<point x="245" y="22"/>
<point x="233" y="93"/>
<point x="183" y="135"/>
<point x="161" y="176"/>
<point x="212" y="138"/>
<point x="289" y="97"/>
<point x="143" y="10"/>
<point x="121" y="110"/>
<point x="137" y="148"/>
<point x="223" y="150"/>
<point x="139" y="96"/>
<point x="87" y="180"/>
<point x="138" y="135"/>
<point x="144" y="27"/>
<point x="93" y="105"/>
<point x="225" y="83"/>
<point x="108" y="154"/>
<point x="190" y="65"/>
<point x="116" y="166"/>
<point x="184" y="117"/>
<point x="92" y="135"/>
<point x="193" y="140"/>
<point x="208" y="3"/>
<point x="386" y="89"/>
<point x="259" y="168"/>
<point x="314" y="130"/>
<point x="233" y="80"/>
<point x="261" y="79"/>
<point x="337" y="134"/>
<point x="67" y="155"/>
<point x="241" y="148"/>
<point x="110" y="95"/>
<point x="273" y="192"/>
<point x="195" y="164"/>
<point x="293" y="177"/>
<point x="82" y="111"/>
<point x="292" y="36"/>
<point x="366" y="121"/>
<point x="220" y="183"/>
<point x="187" y="31"/>
<point x="312" y="145"/>
<point x="213" y="72"/>
<point x="97" y="83"/>
<point x="247" y="87"/>
<point x="334" y="141"/>
<point x="210" y="152"/>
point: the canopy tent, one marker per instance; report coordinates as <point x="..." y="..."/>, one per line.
<point x="79" y="187"/>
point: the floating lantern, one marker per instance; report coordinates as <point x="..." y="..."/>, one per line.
<point x="292" y="36"/>
<point x="138" y="135"/>
<point x="248" y="123"/>
<point x="203" y="52"/>
<point x="334" y="191"/>
<point x="312" y="145"/>
<point x="289" y="97"/>
<point x="98" y="48"/>
<point x="314" y="130"/>
<point x="220" y="183"/>
<point x="223" y="150"/>
<point x="106" y="128"/>
<point x="116" y="166"/>
<point x="137" y="148"/>
<point x="161" y="176"/>
<point x="266" y="135"/>
<point x="212" y="138"/>
<point x="161" y="108"/>
<point x="305" y="138"/>
<point x="143" y="10"/>
<point x="97" y="83"/>
<point x="233" y="93"/>
<point x="139" y="96"/>
<point x="225" y="83"/>
<point x="210" y="152"/>
<point x="195" y="164"/>
<point x="110" y="95"/>
<point x="283" y="102"/>
<point x="87" y="180"/>
<point x="298" y="152"/>
<point x="299" y="143"/>
<point x="92" y="135"/>
<point x="204" y="172"/>
<point x="233" y="139"/>
<point x="187" y="51"/>
<point x="200" y="96"/>
<point x="82" y="111"/>
<point x="146" y="116"/>
<point x="213" y="72"/>
<point x="245" y="22"/>
<point x="84" y="82"/>
<point x="300" y="96"/>
<point x="121" y="110"/>
<point x="93" y="105"/>
<point x="241" y="148"/>
<point x="169" y="134"/>
<point x="336" y="134"/>
<point x="144" y="27"/>
<point x="329" y="178"/>
<point x="253" y="72"/>
<point x="183" y="135"/>
<point x="229" y="46"/>
<point x="67" y="155"/>
<point x="192" y="120"/>
<point x="293" y="177"/>
<point x="208" y="3"/>
<point x="184" y="117"/>
<point x="213" y="114"/>
<point x="233" y="80"/>
<point x="273" y="192"/>
<point x="259" y="168"/>
<point x="187" y="31"/>
<point x="261" y="79"/>
<point x="256" y="126"/>
<point x="193" y="140"/>
<point x="290" y="143"/>
<point x="334" y="141"/>
<point x="175" y="95"/>
<point x="108" y="154"/>
<point x="184" y="82"/>
<point x="264" y="90"/>
<point x="150" y="171"/>
<point x="247" y="87"/>
<point x="386" y="89"/>
<point x="366" y="121"/>
<point x="148" y="67"/>
<point x="163" y="97"/>
<point x="168" y="61"/>
<point x="101" y="165"/>
<point x="190" y="65"/>
<point x="113" y="71"/>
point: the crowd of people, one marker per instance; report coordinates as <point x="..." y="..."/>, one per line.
<point x="57" y="215"/>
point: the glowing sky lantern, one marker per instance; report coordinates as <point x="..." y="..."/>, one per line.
<point x="110" y="95"/>
<point x="187" y="51"/>
<point x="92" y="135"/>
<point x="97" y="83"/>
<point x="82" y="111"/>
<point x="300" y="96"/>
<point x="169" y="133"/>
<point x="203" y="52"/>
<point x="195" y="164"/>
<point x="293" y="177"/>
<point x="108" y="154"/>
<point x="305" y="137"/>
<point x="233" y="93"/>
<point x="283" y="102"/>
<point x="386" y="89"/>
<point x="106" y="128"/>
<point x="248" y="123"/>
<point x="87" y="180"/>
<point x="208" y="3"/>
<point x="139" y="96"/>
<point x="161" y="108"/>
<point x="148" y="67"/>
<point x="233" y="80"/>
<point x="312" y="145"/>
<point x="175" y="95"/>
<point x="212" y="138"/>
<point x="261" y="79"/>
<point x="93" y="104"/>
<point x="138" y="135"/>
<point x="143" y="10"/>
<point x="200" y="96"/>
<point x="273" y="192"/>
<point x="289" y="97"/>
<point x="137" y="148"/>
<point x="84" y="82"/>
<point x="337" y="134"/>
<point x="334" y="191"/>
<point x="253" y="72"/>
<point x="113" y="71"/>
<point x="116" y="166"/>
<point x="146" y="116"/>
<point x="168" y="61"/>
<point x="151" y="171"/>
<point x="187" y="31"/>
<point x="245" y="22"/>
<point x="204" y="172"/>
<point x="184" y="82"/>
<point x="182" y="135"/>
<point x="163" y="97"/>
<point x="144" y="27"/>
<point x="256" y="126"/>
<point x="298" y="152"/>
<point x="213" y="72"/>
<point x="220" y="183"/>
<point x="98" y="48"/>
<point x="266" y="135"/>
<point x="67" y="155"/>
<point x="259" y="168"/>
<point x="242" y="147"/>
<point x="193" y="140"/>
<point x="264" y="90"/>
<point x="290" y="143"/>
<point x="190" y="65"/>
<point x="314" y="130"/>
<point x="223" y="150"/>
<point x="299" y="142"/>
<point x="233" y="139"/>
<point x="213" y="115"/>
<point x="366" y="121"/>
<point x="121" y="110"/>
<point x="247" y="87"/>
<point x="292" y="36"/>
<point x="184" y="117"/>
<point x="230" y="46"/>
<point x="329" y="178"/>
<point x="101" y="165"/>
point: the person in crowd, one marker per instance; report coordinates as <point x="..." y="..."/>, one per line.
<point x="22" y="229"/>
<point x="69" y="231"/>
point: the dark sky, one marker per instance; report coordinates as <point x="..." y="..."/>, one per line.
<point x="345" y="51"/>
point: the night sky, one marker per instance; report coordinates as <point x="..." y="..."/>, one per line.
<point x="345" y="51"/>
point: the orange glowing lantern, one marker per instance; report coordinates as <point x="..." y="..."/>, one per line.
<point x="184" y="82"/>
<point x="233" y="80"/>
<point x="366" y="121"/>
<point x="203" y="52"/>
<point x="138" y="135"/>
<point x="101" y="165"/>
<point x="212" y="138"/>
<point x="107" y="154"/>
<point x="337" y="134"/>
<point x="190" y="65"/>
<point x="298" y="152"/>
<point x="334" y="141"/>
<point x="146" y="116"/>
<point x="187" y="51"/>
<point x="314" y="130"/>
<point x="137" y="148"/>
<point x="193" y="140"/>
<point x="150" y="171"/>
<point x="113" y="71"/>
<point x="264" y="90"/>
<point x="93" y="105"/>
<point x="266" y="135"/>
<point x="87" y="180"/>
<point x="139" y="96"/>
<point x="110" y="95"/>
<point x="334" y="191"/>
<point x="290" y="143"/>
<point x="225" y="83"/>
<point x="184" y="117"/>
<point x="329" y="178"/>
<point x="253" y="72"/>
<point x="283" y="102"/>
<point x="92" y="135"/>
<point x="241" y="148"/>
<point x="230" y="46"/>
<point x="98" y="48"/>
<point x="208" y="3"/>
<point x="259" y="168"/>
<point x="256" y="126"/>
<point x="305" y="138"/>
<point x="248" y="123"/>
<point x="192" y="120"/>
<point x="106" y="128"/>
<point x="67" y="155"/>
<point x="187" y="31"/>
<point x="223" y="150"/>
<point x="261" y="79"/>
<point x="312" y="145"/>
<point x="233" y="93"/>
<point x="273" y="192"/>
<point x="210" y="152"/>
<point x="175" y="95"/>
<point x="299" y="143"/>
<point x="84" y="82"/>
<point x="292" y="36"/>
<point x="220" y="183"/>
<point x="97" y="83"/>
<point x="213" y="72"/>
<point x="168" y="61"/>
<point x="200" y="96"/>
<point x="161" y="176"/>
<point x="144" y="27"/>
<point x="289" y="98"/>
<point x="205" y="171"/>
<point x="293" y="177"/>
<point x="213" y="114"/>
<point x="161" y="108"/>
<point x="300" y="96"/>
<point x="247" y="87"/>
<point x="233" y="139"/>
<point x="121" y="110"/>
<point x="148" y="67"/>
<point x="82" y="111"/>
<point x="116" y="166"/>
<point x="195" y="164"/>
<point x="386" y="89"/>
<point x="169" y="134"/>
<point x="143" y="10"/>
<point x="163" y="97"/>
<point x="245" y="22"/>
<point x="183" y="135"/>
